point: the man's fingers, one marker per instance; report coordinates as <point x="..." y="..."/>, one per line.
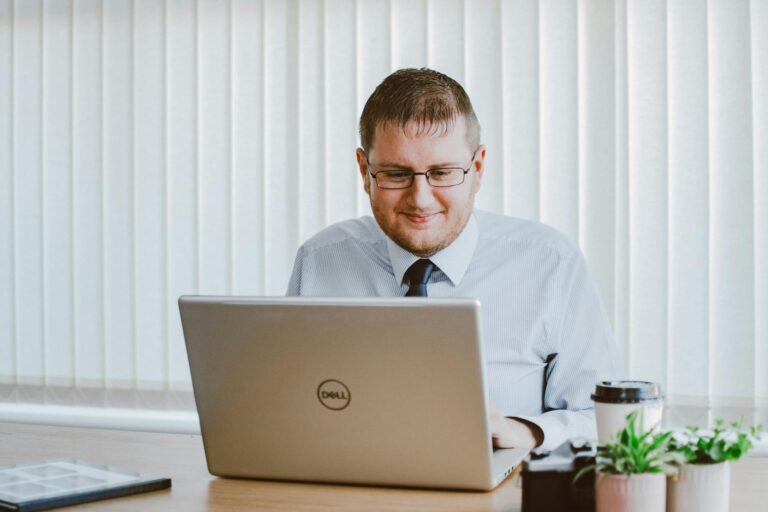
<point x="500" y="433"/>
<point x="509" y="433"/>
<point x="503" y="441"/>
<point x="503" y="435"/>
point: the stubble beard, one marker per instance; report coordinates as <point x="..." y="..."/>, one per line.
<point x="420" y="250"/>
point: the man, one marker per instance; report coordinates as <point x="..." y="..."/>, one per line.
<point x="546" y="336"/>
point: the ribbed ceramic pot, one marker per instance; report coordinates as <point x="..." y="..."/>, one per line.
<point x="700" y="488"/>
<point x="645" y="492"/>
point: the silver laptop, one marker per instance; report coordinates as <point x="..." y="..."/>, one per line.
<point x="362" y="391"/>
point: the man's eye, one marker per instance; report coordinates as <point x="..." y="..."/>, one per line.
<point x="444" y="175"/>
<point x="397" y="175"/>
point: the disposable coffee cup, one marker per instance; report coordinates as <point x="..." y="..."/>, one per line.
<point x="615" y="399"/>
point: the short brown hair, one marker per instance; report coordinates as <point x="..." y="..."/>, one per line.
<point x="429" y="98"/>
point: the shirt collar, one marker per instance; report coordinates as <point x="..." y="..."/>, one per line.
<point x="453" y="260"/>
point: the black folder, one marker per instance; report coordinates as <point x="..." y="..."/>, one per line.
<point x="61" y="482"/>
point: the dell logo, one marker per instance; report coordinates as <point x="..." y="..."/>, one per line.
<point x="333" y="394"/>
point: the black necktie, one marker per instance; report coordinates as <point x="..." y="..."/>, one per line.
<point x="417" y="276"/>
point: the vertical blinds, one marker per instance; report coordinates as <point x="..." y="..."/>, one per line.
<point x="151" y="149"/>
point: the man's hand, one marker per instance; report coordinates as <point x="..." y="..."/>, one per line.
<point x="512" y="433"/>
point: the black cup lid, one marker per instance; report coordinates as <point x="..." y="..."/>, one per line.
<point x="626" y="391"/>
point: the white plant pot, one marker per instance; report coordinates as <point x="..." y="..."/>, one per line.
<point x="630" y="493"/>
<point x="700" y="488"/>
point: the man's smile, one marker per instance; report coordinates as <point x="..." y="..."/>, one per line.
<point x="421" y="218"/>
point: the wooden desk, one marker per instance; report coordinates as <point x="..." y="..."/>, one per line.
<point x="181" y="457"/>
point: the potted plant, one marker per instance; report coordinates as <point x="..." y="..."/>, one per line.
<point x="703" y="482"/>
<point x="632" y="470"/>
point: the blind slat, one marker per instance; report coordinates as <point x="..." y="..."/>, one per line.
<point x="117" y="194"/>
<point x="596" y="148"/>
<point x="57" y="192"/>
<point x="340" y="107"/>
<point x="408" y="26"/>
<point x="27" y="153"/>
<point x="647" y="124"/>
<point x="7" y="281"/>
<point x="311" y="171"/>
<point x="446" y="25"/>
<point x="247" y="148"/>
<point x="688" y="369"/>
<point x="520" y="123"/>
<point x="558" y="122"/>
<point x="150" y="228"/>
<point x="759" y="52"/>
<point x="182" y="170"/>
<point x="213" y="146"/>
<point x="280" y="211"/>
<point x="621" y="199"/>
<point x="87" y="194"/>
<point x="732" y="313"/>
<point x="483" y="84"/>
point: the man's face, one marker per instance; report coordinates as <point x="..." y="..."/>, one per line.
<point x="422" y="219"/>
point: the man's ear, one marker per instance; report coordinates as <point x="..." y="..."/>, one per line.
<point x="478" y="165"/>
<point x="362" y="165"/>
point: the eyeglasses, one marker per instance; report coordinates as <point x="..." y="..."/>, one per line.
<point x="402" y="178"/>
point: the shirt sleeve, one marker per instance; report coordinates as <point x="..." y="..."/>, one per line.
<point x="294" y="284"/>
<point x="586" y="354"/>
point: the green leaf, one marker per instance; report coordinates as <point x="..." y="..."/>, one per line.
<point x="716" y="452"/>
<point x="583" y="471"/>
<point x="636" y="451"/>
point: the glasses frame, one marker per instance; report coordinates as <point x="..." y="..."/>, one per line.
<point x="425" y="174"/>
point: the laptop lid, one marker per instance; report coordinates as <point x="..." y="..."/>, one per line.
<point x="366" y="391"/>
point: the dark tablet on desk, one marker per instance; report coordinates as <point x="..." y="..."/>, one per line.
<point x="61" y="482"/>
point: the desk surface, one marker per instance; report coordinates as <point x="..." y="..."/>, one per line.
<point x="181" y="458"/>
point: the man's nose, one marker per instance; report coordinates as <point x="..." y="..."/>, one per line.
<point x="420" y="191"/>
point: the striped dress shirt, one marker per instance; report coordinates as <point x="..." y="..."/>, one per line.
<point x="546" y="337"/>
